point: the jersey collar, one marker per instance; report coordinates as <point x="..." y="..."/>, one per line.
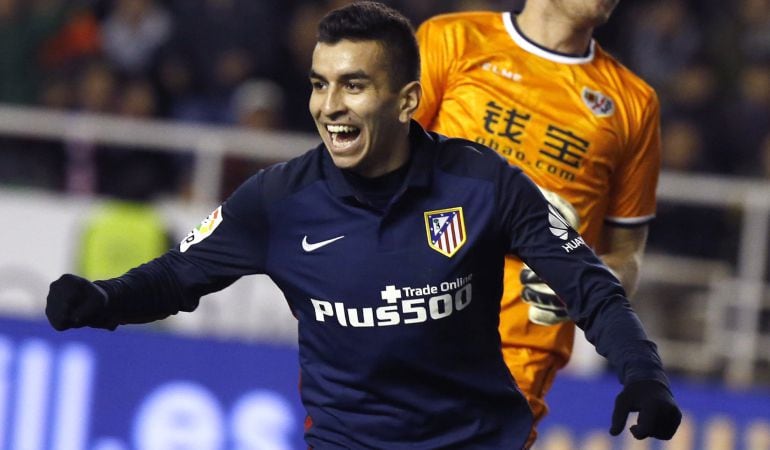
<point x="531" y="47"/>
<point x="419" y="175"/>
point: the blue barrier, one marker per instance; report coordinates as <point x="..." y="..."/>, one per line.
<point x="96" y="390"/>
<point x="715" y="418"/>
<point x="134" y="389"/>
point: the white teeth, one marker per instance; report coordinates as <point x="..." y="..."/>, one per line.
<point x="340" y="129"/>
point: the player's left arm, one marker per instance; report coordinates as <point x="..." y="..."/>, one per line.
<point x="622" y="249"/>
<point x="596" y="302"/>
<point x="633" y="196"/>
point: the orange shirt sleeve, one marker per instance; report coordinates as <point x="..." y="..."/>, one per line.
<point x="434" y="69"/>
<point x="635" y="179"/>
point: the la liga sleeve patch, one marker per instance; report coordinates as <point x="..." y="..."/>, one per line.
<point x="202" y="231"/>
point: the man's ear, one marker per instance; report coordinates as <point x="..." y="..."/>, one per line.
<point x="409" y="100"/>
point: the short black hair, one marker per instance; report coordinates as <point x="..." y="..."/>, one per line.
<point x="373" y="21"/>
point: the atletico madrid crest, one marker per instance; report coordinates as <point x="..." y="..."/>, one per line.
<point x="446" y="230"/>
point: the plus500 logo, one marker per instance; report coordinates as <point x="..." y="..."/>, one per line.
<point x="46" y="397"/>
<point x="407" y="305"/>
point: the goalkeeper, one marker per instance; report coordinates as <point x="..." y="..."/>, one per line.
<point x="537" y="88"/>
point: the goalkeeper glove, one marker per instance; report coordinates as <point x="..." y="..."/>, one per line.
<point x="659" y="416"/>
<point x="545" y="307"/>
<point x="74" y="302"/>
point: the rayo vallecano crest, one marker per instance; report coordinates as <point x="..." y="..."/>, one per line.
<point x="598" y="103"/>
<point x="446" y="230"/>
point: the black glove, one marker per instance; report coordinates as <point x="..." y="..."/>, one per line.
<point x="74" y="302"/>
<point x="659" y="416"/>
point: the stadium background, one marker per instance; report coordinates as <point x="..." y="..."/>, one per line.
<point x="171" y="104"/>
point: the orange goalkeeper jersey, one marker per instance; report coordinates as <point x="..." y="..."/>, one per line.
<point x="584" y="127"/>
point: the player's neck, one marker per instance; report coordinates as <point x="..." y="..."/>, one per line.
<point x="396" y="157"/>
<point x="554" y="32"/>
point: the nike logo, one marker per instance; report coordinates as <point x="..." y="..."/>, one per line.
<point x="308" y="247"/>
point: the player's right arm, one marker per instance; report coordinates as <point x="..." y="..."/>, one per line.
<point x="230" y="243"/>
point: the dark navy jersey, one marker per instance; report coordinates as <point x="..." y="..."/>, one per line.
<point x="397" y="307"/>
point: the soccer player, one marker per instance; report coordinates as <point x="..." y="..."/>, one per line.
<point x="388" y="243"/>
<point x="540" y="91"/>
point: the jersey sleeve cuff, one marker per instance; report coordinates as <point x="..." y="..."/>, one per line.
<point x="629" y="222"/>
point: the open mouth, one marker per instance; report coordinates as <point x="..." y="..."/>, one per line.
<point x="343" y="135"/>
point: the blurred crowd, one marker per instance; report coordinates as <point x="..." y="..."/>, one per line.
<point x="245" y="63"/>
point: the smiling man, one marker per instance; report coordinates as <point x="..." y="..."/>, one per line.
<point x="388" y="243"/>
<point x="361" y="113"/>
